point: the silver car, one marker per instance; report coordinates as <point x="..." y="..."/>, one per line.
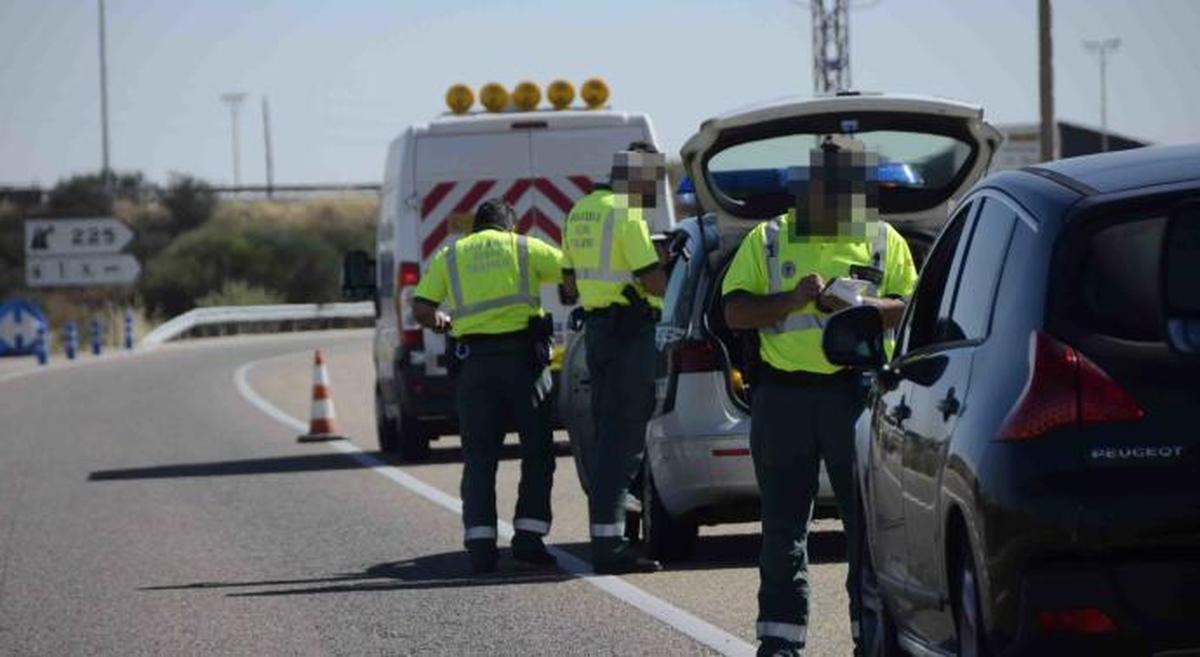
<point x="698" y="469"/>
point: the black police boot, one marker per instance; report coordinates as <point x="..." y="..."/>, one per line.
<point x="527" y="547"/>
<point x="483" y="558"/>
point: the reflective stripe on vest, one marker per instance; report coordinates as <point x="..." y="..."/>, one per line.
<point x="604" y="272"/>
<point x="808" y="321"/>
<point x="523" y="297"/>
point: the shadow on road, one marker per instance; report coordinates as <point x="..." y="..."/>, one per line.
<point x="510" y="451"/>
<point x="288" y="464"/>
<point x="739" y="551"/>
<point x="438" y="571"/>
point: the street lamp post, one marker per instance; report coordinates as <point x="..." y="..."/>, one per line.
<point x="1102" y="48"/>
<point x="235" y="105"/>
<point x="105" y="170"/>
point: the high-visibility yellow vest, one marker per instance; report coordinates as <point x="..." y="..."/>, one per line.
<point x="769" y="261"/>
<point x="489" y="281"/>
<point x="605" y="244"/>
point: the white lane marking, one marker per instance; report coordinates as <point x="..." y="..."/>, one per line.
<point x="689" y="624"/>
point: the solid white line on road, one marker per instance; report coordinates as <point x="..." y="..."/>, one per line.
<point x="689" y="624"/>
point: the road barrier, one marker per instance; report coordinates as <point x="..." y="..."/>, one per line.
<point x="224" y="320"/>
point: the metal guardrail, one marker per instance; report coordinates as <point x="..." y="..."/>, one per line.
<point x="223" y="317"/>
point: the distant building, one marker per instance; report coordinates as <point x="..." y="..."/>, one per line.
<point x="1023" y="143"/>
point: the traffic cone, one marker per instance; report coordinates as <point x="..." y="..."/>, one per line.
<point x="320" y="424"/>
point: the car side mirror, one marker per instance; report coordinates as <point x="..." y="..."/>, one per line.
<point x="358" y="276"/>
<point x="854" y="338"/>
<point x="1179" y="293"/>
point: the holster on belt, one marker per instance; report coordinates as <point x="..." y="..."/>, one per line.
<point x="453" y="362"/>
<point x="629" y="320"/>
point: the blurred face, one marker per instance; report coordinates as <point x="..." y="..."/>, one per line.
<point x="638" y="175"/>
<point x="837" y="195"/>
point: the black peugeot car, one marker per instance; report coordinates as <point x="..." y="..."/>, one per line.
<point x="1029" y="462"/>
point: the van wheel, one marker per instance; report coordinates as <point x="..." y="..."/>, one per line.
<point x="385" y="427"/>
<point x="667" y="538"/>
<point x="968" y="621"/>
<point x="414" y="439"/>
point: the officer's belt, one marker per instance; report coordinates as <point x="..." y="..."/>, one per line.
<point x="483" y="344"/>
<point x="607" y="311"/>
<point x="801" y="378"/>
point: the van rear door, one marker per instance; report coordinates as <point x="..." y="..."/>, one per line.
<point x="454" y="173"/>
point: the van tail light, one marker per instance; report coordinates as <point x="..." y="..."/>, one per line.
<point x="1065" y="388"/>
<point x="695" y="356"/>
<point x="1079" y="621"/>
<point x="411" y="335"/>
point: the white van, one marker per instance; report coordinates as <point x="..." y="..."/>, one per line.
<point x="436" y="174"/>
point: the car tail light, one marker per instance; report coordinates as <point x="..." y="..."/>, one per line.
<point x="696" y="356"/>
<point x="1065" y="388"/>
<point x="1079" y="621"/>
<point x="411" y="335"/>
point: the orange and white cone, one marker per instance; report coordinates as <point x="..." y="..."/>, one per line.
<point x="320" y="424"/>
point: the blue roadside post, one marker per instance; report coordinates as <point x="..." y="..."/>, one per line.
<point x="43" y="344"/>
<point x="96" y="338"/>
<point x="128" y="328"/>
<point x="71" y="340"/>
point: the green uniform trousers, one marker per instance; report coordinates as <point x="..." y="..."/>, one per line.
<point x="793" y="427"/>
<point x="621" y="369"/>
<point x="494" y="381"/>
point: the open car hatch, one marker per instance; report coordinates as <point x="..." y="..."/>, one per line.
<point x="930" y="151"/>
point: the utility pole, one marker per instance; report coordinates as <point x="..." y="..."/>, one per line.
<point x="105" y="167"/>
<point x="1103" y="48"/>
<point x="830" y="45"/>
<point x="266" y="114"/>
<point x="235" y="105"/>
<point x="1046" y="83"/>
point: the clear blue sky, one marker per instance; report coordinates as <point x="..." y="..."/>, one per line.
<point x="344" y="77"/>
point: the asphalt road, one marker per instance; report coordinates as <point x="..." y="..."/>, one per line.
<point x="159" y="504"/>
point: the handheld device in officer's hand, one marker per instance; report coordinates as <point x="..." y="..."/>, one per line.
<point x="849" y="290"/>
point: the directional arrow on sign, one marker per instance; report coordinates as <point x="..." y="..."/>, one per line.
<point x="64" y="237"/>
<point x="113" y="269"/>
<point x="18" y="329"/>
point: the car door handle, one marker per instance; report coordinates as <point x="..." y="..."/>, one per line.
<point x="900" y="412"/>
<point x="949" y="405"/>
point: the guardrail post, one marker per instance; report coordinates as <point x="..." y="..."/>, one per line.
<point x="128" y="328"/>
<point x="97" y="339"/>
<point x="70" y="340"/>
<point x="43" y="346"/>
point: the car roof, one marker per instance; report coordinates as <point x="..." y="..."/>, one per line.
<point x="1120" y="171"/>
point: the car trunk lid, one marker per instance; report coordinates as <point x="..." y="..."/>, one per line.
<point x="931" y="151"/>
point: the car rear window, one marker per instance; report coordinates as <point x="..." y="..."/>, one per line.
<point x="1118" y="283"/>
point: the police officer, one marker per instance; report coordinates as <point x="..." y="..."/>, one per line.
<point x="490" y="281"/>
<point x="610" y="262"/>
<point x="829" y="252"/>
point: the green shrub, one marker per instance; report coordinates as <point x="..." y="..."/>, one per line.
<point x="239" y="293"/>
<point x="190" y="201"/>
<point x="292" y="250"/>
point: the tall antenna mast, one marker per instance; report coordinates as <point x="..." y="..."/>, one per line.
<point x="830" y="45"/>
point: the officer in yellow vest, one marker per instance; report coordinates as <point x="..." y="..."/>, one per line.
<point x="490" y="282"/>
<point x="830" y="252"/>
<point x="611" y="263"/>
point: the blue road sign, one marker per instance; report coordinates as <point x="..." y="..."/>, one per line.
<point x="19" y="322"/>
